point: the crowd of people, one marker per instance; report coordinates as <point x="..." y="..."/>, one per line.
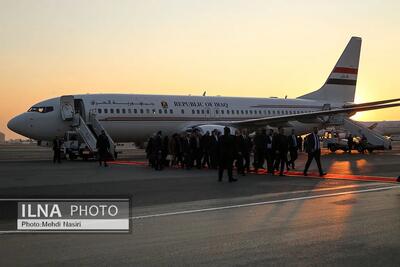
<point x="225" y="150"/>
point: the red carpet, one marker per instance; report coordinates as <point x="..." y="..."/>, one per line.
<point x="294" y="173"/>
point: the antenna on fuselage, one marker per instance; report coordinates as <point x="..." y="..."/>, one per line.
<point x="204" y="93"/>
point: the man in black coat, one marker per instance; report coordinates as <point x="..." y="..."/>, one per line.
<point x="149" y="151"/>
<point x="195" y="147"/>
<point x="293" y="147"/>
<point x="103" y="148"/>
<point x="313" y="149"/>
<point x="57" y="150"/>
<point x="186" y="150"/>
<point x="269" y="152"/>
<point x="240" y="150"/>
<point x="226" y="149"/>
<point x="214" y="149"/>
<point x="300" y="143"/>
<point x="205" y="144"/>
<point x="248" y="147"/>
<point x="350" y="142"/>
<point x="157" y="151"/>
<point x="260" y="141"/>
<point x="280" y="144"/>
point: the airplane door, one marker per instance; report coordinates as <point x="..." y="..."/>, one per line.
<point x="67" y="107"/>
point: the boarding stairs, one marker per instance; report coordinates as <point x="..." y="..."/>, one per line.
<point x="357" y="129"/>
<point x="89" y="131"/>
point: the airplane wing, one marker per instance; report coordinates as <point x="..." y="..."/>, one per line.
<point x="307" y="117"/>
<point x="371" y="103"/>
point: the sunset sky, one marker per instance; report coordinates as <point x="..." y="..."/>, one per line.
<point x="231" y="48"/>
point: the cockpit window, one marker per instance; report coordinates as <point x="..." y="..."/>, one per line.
<point x="41" y="109"/>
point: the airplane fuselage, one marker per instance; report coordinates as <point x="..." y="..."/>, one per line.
<point x="131" y="117"/>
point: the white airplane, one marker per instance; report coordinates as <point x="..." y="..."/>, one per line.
<point x="134" y="117"/>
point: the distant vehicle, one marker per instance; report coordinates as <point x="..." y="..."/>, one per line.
<point x="334" y="144"/>
<point x="74" y="148"/>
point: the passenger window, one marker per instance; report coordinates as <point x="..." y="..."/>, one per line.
<point x="105" y="110"/>
<point x="117" y="110"/>
<point x="99" y="110"/>
<point x="123" y="111"/>
<point x="202" y="111"/>
<point x="251" y="112"/>
<point x="217" y="111"/>
<point x="165" y="111"/>
<point x="193" y="112"/>
<point x="160" y="111"/>
<point x="208" y="111"/>
<point x="222" y="111"/>
<point x="242" y="112"/>
<point x="111" y="110"/>
<point x="171" y="111"/>
<point x="247" y="112"/>
<point x="227" y="112"/>
<point x="198" y="111"/>
<point x="147" y="111"/>
<point x="135" y="110"/>
<point x="154" y="111"/>
<point x="141" y="110"/>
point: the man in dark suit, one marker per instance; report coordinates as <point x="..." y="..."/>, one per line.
<point x="186" y="151"/>
<point x="269" y="152"/>
<point x="313" y="149"/>
<point x="205" y="144"/>
<point x="226" y="149"/>
<point x="300" y="143"/>
<point x="214" y="149"/>
<point x="103" y="148"/>
<point x="157" y="151"/>
<point x="260" y="140"/>
<point x="195" y="147"/>
<point x="248" y="147"/>
<point x="293" y="147"/>
<point x="57" y="150"/>
<point x="280" y="144"/>
<point x="240" y="150"/>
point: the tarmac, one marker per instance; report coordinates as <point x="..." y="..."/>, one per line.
<point x="185" y="217"/>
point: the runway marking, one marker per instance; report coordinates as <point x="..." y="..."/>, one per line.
<point x="262" y="203"/>
<point x="350" y="177"/>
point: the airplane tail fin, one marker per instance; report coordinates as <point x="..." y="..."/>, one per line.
<point x="341" y="83"/>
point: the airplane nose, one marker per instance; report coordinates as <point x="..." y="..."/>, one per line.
<point x="17" y="124"/>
